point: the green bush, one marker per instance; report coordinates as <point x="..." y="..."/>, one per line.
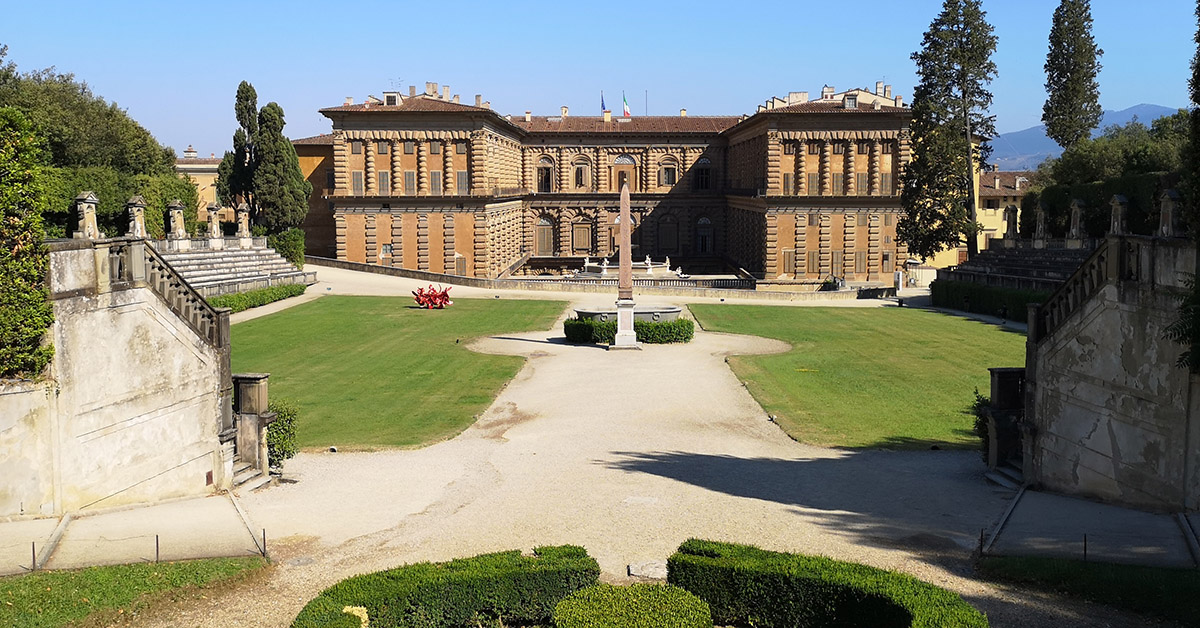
<point x="634" y="606"/>
<point x="585" y="331"/>
<point x="745" y="585"/>
<point x="1139" y="189"/>
<point x="463" y="593"/>
<point x="281" y="433"/>
<point x="979" y="409"/>
<point x="982" y="299"/>
<point x="289" y="244"/>
<point x="254" y="298"/>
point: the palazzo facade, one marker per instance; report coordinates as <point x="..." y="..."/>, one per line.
<point x="802" y="190"/>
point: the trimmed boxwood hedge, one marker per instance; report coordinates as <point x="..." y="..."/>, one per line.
<point x="584" y="331"/>
<point x="634" y="606"/>
<point x="984" y="299"/>
<point x="241" y="301"/>
<point x="460" y="593"/>
<point x="744" y="585"/>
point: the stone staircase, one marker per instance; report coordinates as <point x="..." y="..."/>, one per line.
<point x="248" y="478"/>
<point x="1024" y="268"/>
<point x="217" y="271"/>
<point x="1007" y="475"/>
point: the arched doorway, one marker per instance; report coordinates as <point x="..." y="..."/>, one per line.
<point x="624" y="171"/>
<point x="543" y="238"/>
<point x="705" y="243"/>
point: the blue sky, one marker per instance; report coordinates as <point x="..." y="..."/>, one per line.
<point x="175" y="66"/>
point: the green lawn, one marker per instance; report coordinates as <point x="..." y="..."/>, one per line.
<point x="377" y="372"/>
<point x="857" y="377"/>
<point x="49" y="599"/>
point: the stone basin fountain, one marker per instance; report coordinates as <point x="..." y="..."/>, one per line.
<point x="659" y="313"/>
<point x="645" y="269"/>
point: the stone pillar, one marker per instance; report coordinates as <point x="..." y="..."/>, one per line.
<point x="800" y="240"/>
<point x="825" y="246"/>
<point x="1169" y="218"/>
<point x="850" y="178"/>
<point x="774" y="182"/>
<point x="1120" y="208"/>
<point x="448" y="187"/>
<point x="397" y="239"/>
<point x="369" y="148"/>
<point x="85" y="205"/>
<point x="371" y="240"/>
<point x="478" y="157"/>
<point x="826" y="168"/>
<point x="771" y="255"/>
<point x="423" y="241"/>
<point x="1039" y="230"/>
<point x="876" y="167"/>
<point x="339" y="228"/>
<point x="801" y="168"/>
<point x="253" y="417"/>
<point x="479" y="243"/>
<point x="1011" y="228"/>
<point x="395" y="150"/>
<point x="850" y="245"/>
<point x="136" y="207"/>
<point x="448" y="248"/>
<point x="1075" y="231"/>
<point x="341" y="163"/>
<point x="422" y="168"/>
<point x="874" y="241"/>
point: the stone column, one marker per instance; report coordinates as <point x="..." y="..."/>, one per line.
<point x="564" y="171"/>
<point x="397" y="239"/>
<point x="423" y="241"/>
<point x="800" y="243"/>
<point x="876" y="166"/>
<point x="800" y="170"/>
<point x="824" y="245"/>
<point x="477" y="156"/>
<point x="371" y="240"/>
<point x="339" y="229"/>
<point x="136" y="207"/>
<point x="850" y="175"/>
<point x="826" y="167"/>
<point x="448" y="248"/>
<point x="422" y="168"/>
<point x="774" y="173"/>
<point x="85" y="205"/>
<point x="479" y="244"/>
<point x="396" y="150"/>
<point x="369" y="148"/>
<point x="874" y="241"/>
<point x="448" y="187"/>
<point x="341" y="163"/>
<point x="771" y="254"/>
<point x="850" y="245"/>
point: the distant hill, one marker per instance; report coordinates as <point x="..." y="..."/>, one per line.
<point x="1024" y="150"/>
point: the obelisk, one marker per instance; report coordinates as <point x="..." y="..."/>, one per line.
<point x="626" y="338"/>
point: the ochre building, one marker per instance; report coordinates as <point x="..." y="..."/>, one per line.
<point x="802" y="190"/>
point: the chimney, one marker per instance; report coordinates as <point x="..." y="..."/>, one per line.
<point x="683" y="113"/>
<point x="190" y="153"/>
<point x="430" y="89"/>
<point x="997" y="183"/>
<point x="349" y="100"/>
<point x="1018" y="182"/>
<point x="455" y="99"/>
<point x="607" y="115"/>
<point x="875" y="105"/>
<point x="445" y="92"/>
<point x="564" y="111"/>
<point x="827" y="91"/>
<point x="487" y="104"/>
<point x="478" y="100"/>
<point x="887" y="91"/>
<point x="878" y="88"/>
<point x="412" y="91"/>
<point x="528" y="116"/>
<point x="797" y="98"/>
<point x="899" y="101"/>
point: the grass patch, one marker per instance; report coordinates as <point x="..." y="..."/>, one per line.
<point x="377" y="372"/>
<point x="49" y="599"/>
<point x="880" y="377"/>
<point x="1170" y="593"/>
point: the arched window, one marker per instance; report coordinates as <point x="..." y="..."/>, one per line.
<point x="582" y="173"/>
<point x="545" y="175"/>
<point x="624" y="160"/>
<point x="704" y="236"/>
<point x="702" y="174"/>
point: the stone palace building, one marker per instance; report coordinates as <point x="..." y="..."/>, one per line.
<point x="802" y="190"/>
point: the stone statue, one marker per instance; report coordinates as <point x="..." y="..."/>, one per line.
<point x="647" y="261"/>
<point x="178" y="228"/>
<point x="243" y="220"/>
<point x="137" y="216"/>
<point x="214" y="222"/>
<point x="668" y="263"/>
<point x="86" y="204"/>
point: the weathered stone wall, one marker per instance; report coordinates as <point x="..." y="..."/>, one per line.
<point x="1114" y="416"/>
<point x="132" y="408"/>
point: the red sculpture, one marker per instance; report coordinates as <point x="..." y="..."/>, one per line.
<point x="431" y="298"/>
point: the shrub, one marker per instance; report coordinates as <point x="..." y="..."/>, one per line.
<point x="506" y="585"/>
<point x="281" y="433"/>
<point x="289" y="244"/>
<point x="745" y="585"/>
<point x="583" y="331"/>
<point x="979" y="409"/>
<point x="634" y="606"/>
<point x="254" y="298"/>
<point x="981" y="299"/>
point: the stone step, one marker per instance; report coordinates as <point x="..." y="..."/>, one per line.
<point x="254" y="483"/>
<point x="1011" y="473"/>
<point x="239" y="466"/>
<point x="290" y="278"/>
<point x="245" y="475"/>
<point x="1000" y="479"/>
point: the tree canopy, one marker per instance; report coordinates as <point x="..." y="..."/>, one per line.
<point x="1132" y="148"/>
<point x="1072" y="106"/>
<point x="950" y="129"/>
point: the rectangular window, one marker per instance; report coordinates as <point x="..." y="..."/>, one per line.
<point x="839" y="148"/>
<point x="381" y="147"/>
<point x="885" y="184"/>
<point x="789" y="262"/>
<point x="814" y="262"/>
<point x="991" y="203"/>
<point x="435" y="148"/>
<point x="837" y="268"/>
<point x="839" y="184"/>
<point x="580" y="177"/>
<point x="385" y="184"/>
<point x="356" y="182"/>
<point x="864" y="148"/>
<point x="330" y="180"/>
<point x="860" y="262"/>
<point x="581" y="238"/>
<point x="410" y="181"/>
<point x="787" y="183"/>
<point x="887" y="220"/>
<point x="887" y="261"/>
<point x="814" y="220"/>
<point x="667" y="177"/>
<point x="887" y="147"/>
<point x="789" y="148"/>
<point x="385" y="250"/>
<point x="435" y="182"/>
<point x="460" y="148"/>
<point x="410" y="148"/>
<point x="814" y="184"/>
<point x="356" y="147"/>
<point x="463" y="183"/>
<point x="814" y="148"/>
<point x="702" y="179"/>
<point x="887" y="239"/>
<point x="862" y="183"/>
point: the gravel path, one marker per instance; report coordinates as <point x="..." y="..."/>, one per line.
<point x="627" y="454"/>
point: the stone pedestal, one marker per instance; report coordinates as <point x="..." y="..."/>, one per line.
<point x="626" y="337"/>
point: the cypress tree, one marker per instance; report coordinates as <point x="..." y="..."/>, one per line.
<point x="280" y="188"/>
<point x="950" y="130"/>
<point x="235" y="175"/>
<point x="1072" y="106"/>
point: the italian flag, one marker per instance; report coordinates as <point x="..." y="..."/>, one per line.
<point x="625" y="104"/>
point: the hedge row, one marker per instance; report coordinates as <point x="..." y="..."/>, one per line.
<point x="745" y="585"/>
<point x="634" y="606"/>
<point x="981" y="299"/>
<point x="254" y="298"/>
<point x="520" y="589"/>
<point x="584" y="331"/>
<point x="290" y="245"/>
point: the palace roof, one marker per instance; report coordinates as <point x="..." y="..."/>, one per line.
<point x="634" y="124"/>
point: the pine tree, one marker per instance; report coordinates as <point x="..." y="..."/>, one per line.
<point x="950" y="130"/>
<point x="1072" y="106"/>
<point x="280" y="188"/>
